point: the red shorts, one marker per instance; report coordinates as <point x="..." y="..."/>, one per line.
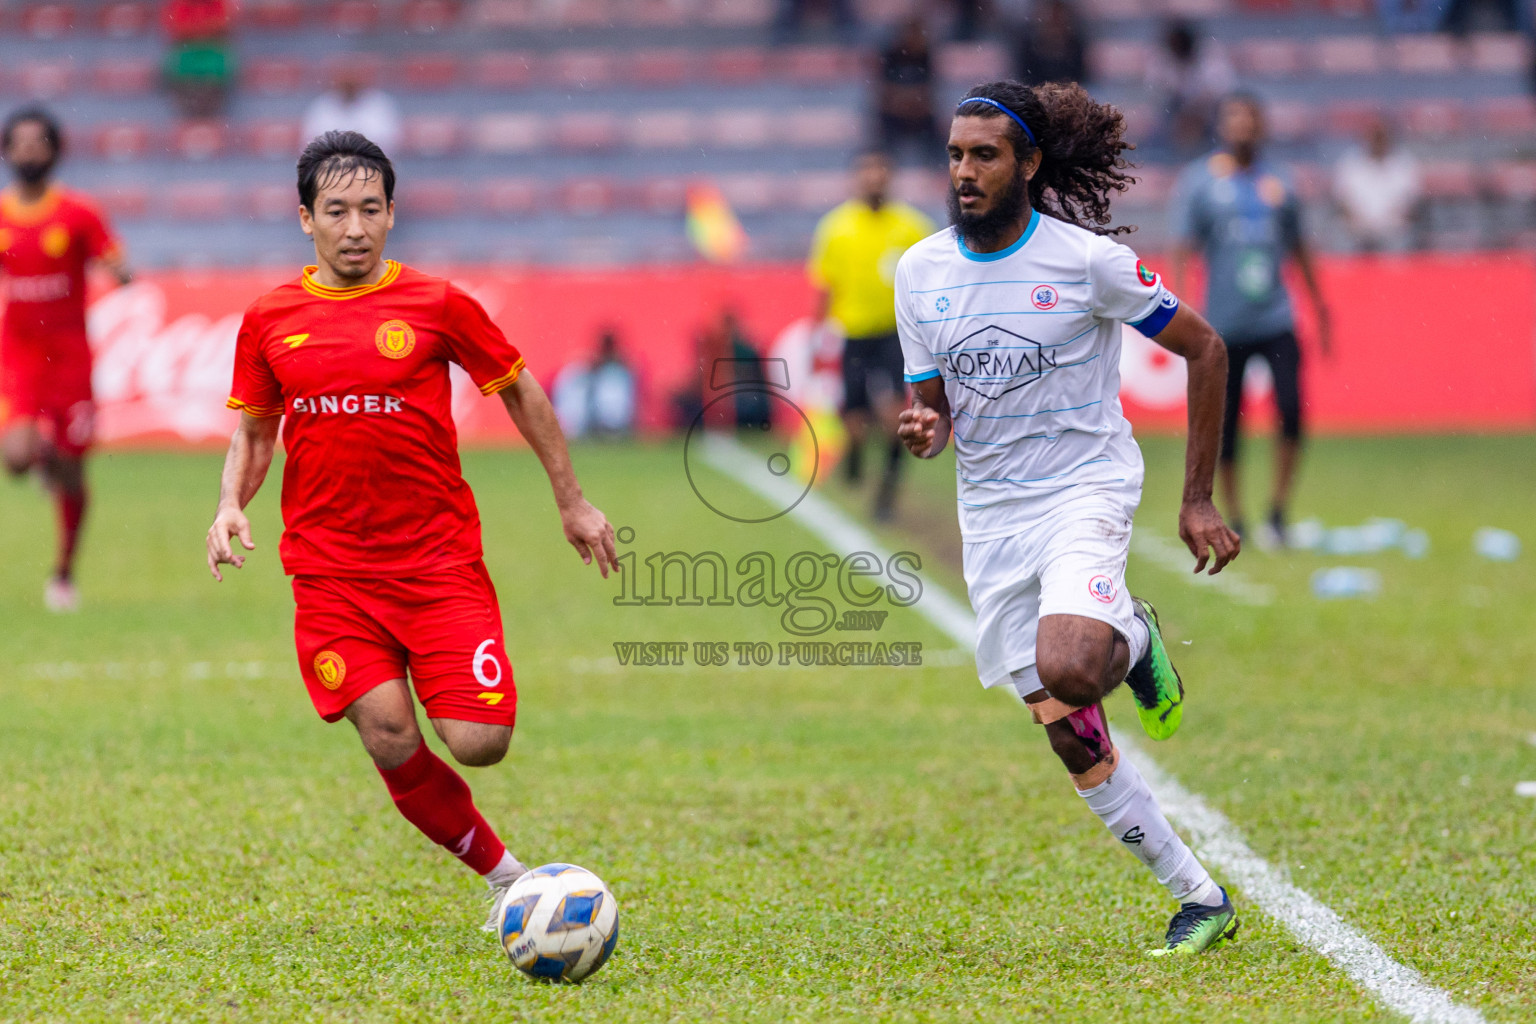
<point x="443" y="628"/>
<point x="67" y="423"/>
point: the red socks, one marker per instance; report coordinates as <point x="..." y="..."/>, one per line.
<point x="436" y="800"/>
<point x="71" y="512"/>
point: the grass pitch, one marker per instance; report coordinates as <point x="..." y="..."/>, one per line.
<point x="181" y="839"/>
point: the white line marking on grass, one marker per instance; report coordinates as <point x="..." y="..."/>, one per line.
<point x="1216" y="840"/>
<point x="1177" y="559"/>
<point x="1525" y="789"/>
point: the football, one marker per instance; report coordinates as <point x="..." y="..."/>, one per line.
<point x="558" y="922"/>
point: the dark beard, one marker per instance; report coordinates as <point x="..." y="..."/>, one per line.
<point x="982" y="232"/>
<point x="32" y="174"/>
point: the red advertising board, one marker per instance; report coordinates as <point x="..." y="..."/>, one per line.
<point x="1427" y="343"/>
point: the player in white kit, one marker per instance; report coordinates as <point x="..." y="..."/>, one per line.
<point x="1010" y="325"/>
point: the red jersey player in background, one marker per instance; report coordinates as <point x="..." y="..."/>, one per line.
<point x="382" y="537"/>
<point x="48" y="236"/>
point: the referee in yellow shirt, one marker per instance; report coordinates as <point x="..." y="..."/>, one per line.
<point x="853" y="267"/>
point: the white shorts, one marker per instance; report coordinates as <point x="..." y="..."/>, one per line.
<point x="1071" y="562"/>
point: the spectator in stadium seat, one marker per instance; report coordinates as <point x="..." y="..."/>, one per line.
<point x="1048" y="46"/>
<point x="789" y="21"/>
<point x="351" y="105"/>
<point x="1187" y="79"/>
<point x="200" y="67"/>
<point x="904" y="97"/>
<point x="1379" y="192"/>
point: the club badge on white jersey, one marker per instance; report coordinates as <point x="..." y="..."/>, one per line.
<point x="1027" y="342"/>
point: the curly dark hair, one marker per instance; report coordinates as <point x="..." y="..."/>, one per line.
<point x="1081" y="142"/>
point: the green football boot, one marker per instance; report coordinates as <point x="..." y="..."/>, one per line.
<point x="1154" y="682"/>
<point x="1197" y="929"/>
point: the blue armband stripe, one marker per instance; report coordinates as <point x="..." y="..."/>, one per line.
<point x="1152" y="324"/>
<point x="913" y="378"/>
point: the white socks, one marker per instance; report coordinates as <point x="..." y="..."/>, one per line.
<point x="1128" y="809"/>
<point x="1139" y="639"/>
<point x="509" y="870"/>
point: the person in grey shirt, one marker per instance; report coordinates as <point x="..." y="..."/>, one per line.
<point x="1243" y="217"/>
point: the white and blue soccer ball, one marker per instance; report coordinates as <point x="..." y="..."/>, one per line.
<point x="558" y="922"/>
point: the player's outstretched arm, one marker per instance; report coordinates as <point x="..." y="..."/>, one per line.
<point x="924" y="426"/>
<point x="587" y="529"/>
<point x="1200" y="525"/>
<point x="245" y="467"/>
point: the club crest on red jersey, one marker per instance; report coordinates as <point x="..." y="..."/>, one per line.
<point x="330" y="669"/>
<point x="55" y="240"/>
<point x="395" y="339"/>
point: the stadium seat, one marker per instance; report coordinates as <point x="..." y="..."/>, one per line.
<point x="662" y="129"/>
<point x="589" y="132"/>
<point x="658" y="13"/>
<point x="816" y="65"/>
<point x="45" y="79"/>
<point x="1425" y="55"/>
<point x="125" y="19"/>
<point x="427" y="16"/>
<point x="122" y="141"/>
<point x="432" y="71"/>
<point x="1347" y="55"/>
<point x="584" y="13"/>
<point x="1434" y="120"/>
<point x="1499" y="53"/>
<point x="1291" y="120"/>
<point x="368" y="68"/>
<point x="502" y="70"/>
<point x="502" y="13"/>
<point x="274" y="139"/>
<point x="737" y="13"/>
<point x="588" y="196"/>
<point x="352" y="17"/>
<point x="750" y="193"/>
<point x="501" y="134"/>
<point x="433" y="135"/>
<point x="1110" y="11"/>
<point x="1201" y="8"/>
<point x="48" y="20"/>
<point x="1269" y="58"/>
<point x="513" y="197"/>
<point x="277" y="76"/>
<point x="737" y="66"/>
<point x="272" y="202"/>
<point x="666" y="196"/>
<point x="125" y="77"/>
<point x="922" y="187"/>
<point x="660" y="67"/>
<point x="744" y="128"/>
<point x="274" y="15"/>
<point x="1350" y="118"/>
<point x="825" y="127"/>
<point x="1508" y="116"/>
<point x="815" y="191"/>
<point x="972" y="62"/>
<point x="429" y="197"/>
<point x="1118" y="60"/>
<point x="124" y="201"/>
<point x="581" y="68"/>
<point x="1513" y="180"/>
<point x="1450" y="179"/>
<point x="199" y="140"/>
<point x="200" y="200"/>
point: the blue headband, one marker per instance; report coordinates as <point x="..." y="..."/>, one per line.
<point x="993" y="103"/>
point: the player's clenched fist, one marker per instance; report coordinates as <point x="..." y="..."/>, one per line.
<point x="917" y="427"/>
<point x="229" y="523"/>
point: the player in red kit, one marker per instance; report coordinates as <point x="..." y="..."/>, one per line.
<point x="48" y="237"/>
<point x="382" y="537"/>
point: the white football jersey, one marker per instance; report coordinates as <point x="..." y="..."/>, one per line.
<point x="1027" y="341"/>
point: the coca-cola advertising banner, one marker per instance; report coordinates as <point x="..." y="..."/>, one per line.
<point x="1428" y="343"/>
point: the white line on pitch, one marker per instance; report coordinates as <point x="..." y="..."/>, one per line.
<point x="1216" y="839"/>
<point x="1525" y="789"/>
<point x="1176" y="559"/>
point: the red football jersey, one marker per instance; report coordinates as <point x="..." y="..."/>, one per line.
<point x="44" y="250"/>
<point x="372" y="485"/>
